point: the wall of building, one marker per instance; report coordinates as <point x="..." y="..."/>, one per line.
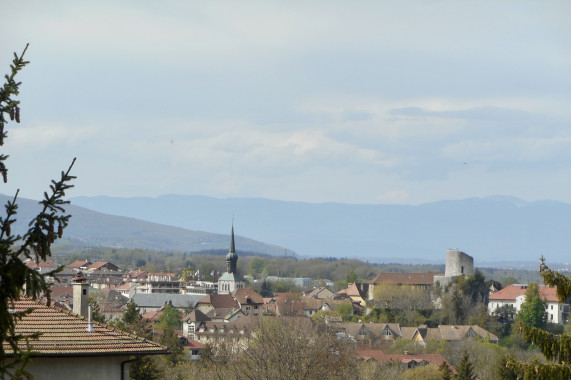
<point x="85" y="368"/>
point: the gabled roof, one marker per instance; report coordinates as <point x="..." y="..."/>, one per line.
<point x="79" y="264"/>
<point x="101" y="264"/>
<point x="248" y="296"/>
<point x="353" y="290"/>
<point x="380" y="356"/>
<point x="315" y="292"/>
<point x="64" y="334"/>
<point x="511" y="292"/>
<point x="195" y="316"/>
<point x="219" y="301"/>
<point x="42" y="264"/>
<point x="222" y="313"/>
<point x="406" y="278"/>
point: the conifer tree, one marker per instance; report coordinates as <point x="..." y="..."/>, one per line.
<point x="557" y="349"/>
<point x="445" y="371"/>
<point x="16" y="279"/>
<point x="532" y="312"/>
<point x="465" y="368"/>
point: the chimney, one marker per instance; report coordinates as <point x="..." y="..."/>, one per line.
<point x="80" y="295"/>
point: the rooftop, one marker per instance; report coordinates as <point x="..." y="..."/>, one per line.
<point x="65" y="334"/>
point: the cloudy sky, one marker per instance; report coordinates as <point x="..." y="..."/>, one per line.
<point x="358" y="102"/>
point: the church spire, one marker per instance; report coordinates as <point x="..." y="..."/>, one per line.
<point x="231" y="257"/>
<point x="232" y="246"/>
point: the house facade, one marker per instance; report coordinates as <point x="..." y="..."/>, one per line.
<point x="70" y="345"/>
<point x="514" y="295"/>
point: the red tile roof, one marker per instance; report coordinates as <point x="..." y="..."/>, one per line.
<point x="219" y="301"/>
<point x="79" y="263"/>
<point x="65" y="334"/>
<point x="510" y="293"/>
<point x="101" y="264"/>
<point x="243" y="294"/>
<point x="380" y="356"/>
<point x="42" y="264"/>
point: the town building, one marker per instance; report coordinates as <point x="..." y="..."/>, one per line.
<point x="514" y="296"/>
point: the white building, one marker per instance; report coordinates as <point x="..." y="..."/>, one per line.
<point x="514" y="295"/>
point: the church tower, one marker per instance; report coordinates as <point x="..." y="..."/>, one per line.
<point x="231" y="279"/>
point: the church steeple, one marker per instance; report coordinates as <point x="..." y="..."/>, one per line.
<point x="231" y="257"/>
<point x="231" y="279"/>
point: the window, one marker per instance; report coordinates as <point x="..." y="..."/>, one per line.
<point x="255" y="307"/>
<point x="551" y="307"/>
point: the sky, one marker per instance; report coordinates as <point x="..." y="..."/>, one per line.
<point x="383" y="102"/>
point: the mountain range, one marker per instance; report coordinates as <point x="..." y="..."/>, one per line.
<point x="88" y="228"/>
<point x="491" y="229"/>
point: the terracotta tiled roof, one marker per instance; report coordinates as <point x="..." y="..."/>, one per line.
<point x="243" y="294"/>
<point x="101" y="264"/>
<point x="351" y="291"/>
<point x="406" y="278"/>
<point x="220" y="301"/>
<point x="42" y="264"/>
<point x="510" y="292"/>
<point x="65" y="334"/>
<point x="152" y="315"/>
<point x="79" y="263"/>
<point x="315" y="292"/>
<point x="380" y="356"/>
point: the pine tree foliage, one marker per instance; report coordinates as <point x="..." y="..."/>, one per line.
<point x="556" y="348"/>
<point x="16" y="279"/>
<point x="465" y="368"/>
<point x="532" y="312"/>
<point x="445" y="371"/>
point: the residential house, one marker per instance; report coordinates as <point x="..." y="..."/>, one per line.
<point x="249" y="301"/>
<point x="42" y="267"/>
<point x="357" y="292"/>
<point x="514" y="295"/>
<point x="321" y="292"/>
<point x="70" y="344"/>
<point x="372" y="334"/>
<point x="79" y="265"/>
<point x="407" y="360"/>
<point x="191" y="321"/>
<point x="102" y="266"/>
<point x="216" y="301"/>
<point x="192" y="347"/>
<point x="451" y="333"/>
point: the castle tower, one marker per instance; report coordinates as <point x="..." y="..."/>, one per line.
<point x="231" y="279"/>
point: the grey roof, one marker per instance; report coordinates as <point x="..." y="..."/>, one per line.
<point x="159" y="299"/>
<point x="231" y="277"/>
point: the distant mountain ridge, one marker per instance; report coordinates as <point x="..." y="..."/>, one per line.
<point x="91" y="229"/>
<point x="489" y="229"/>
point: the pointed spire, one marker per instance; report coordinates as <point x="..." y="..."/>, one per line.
<point x="232" y="246"/>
